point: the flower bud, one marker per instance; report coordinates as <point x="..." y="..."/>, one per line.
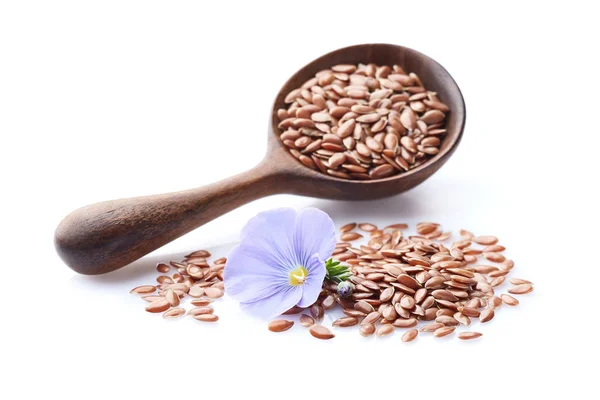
<point x="345" y="289"/>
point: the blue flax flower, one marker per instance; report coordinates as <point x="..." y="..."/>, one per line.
<point x="280" y="262"/>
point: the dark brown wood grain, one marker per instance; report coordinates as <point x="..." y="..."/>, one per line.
<point x="106" y="236"/>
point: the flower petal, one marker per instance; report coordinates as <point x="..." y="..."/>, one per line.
<point x="248" y="279"/>
<point x="269" y="237"/>
<point x="314" y="282"/>
<point x="314" y="233"/>
<point x="276" y="304"/>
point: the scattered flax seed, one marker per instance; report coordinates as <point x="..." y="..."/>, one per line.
<point x="348" y="237"/>
<point x="485" y="240"/>
<point x="201" y="310"/>
<point x="280" y="325"/>
<point x="516" y="281"/>
<point x="367" y="329"/>
<point x="174" y="312"/>
<point x="163" y="268"/>
<point x="195" y="277"/>
<point x="469" y="335"/>
<point x="158" y="306"/>
<point x="400" y="281"/>
<point x="385" y="329"/>
<point x="486" y="315"/>
<point x="521" y="289"/>
<point x="509" y="300"/>
<point x="410" y="335"/>
<point x="348" y="227"/>
<point x="206" y="317"/>
<point x="444" y="331"/>
<point x="345" y="322"/>
<point x="143" y="289"/>
<point x="321" y="332"/>
<point x="306" y="321"/>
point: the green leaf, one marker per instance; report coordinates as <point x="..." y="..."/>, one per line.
<point x="336" y="272"/>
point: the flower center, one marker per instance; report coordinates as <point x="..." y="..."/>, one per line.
<point x="298" y="276"/>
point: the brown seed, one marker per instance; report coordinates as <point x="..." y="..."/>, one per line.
<point x="516" y="281"/>
<point x="405" y="323"/>
<point x="494" y="257"/>
<point x="206" y="317"/>
<point x="447" y="320"/>
<point x="431" y="327"/>
<point x="174" y="313"/>
<point x="497" y="281"/>
<point x="410" y="335"/>
<point x="444" y="331"/>
<point x="348" y="227"/>
<point x="494" y="302"/>
<point x="162" y="268"/>
<point x="409" y="144"/>
<point x="201" y="302"/>
<point x="199" y="253"/>
<point x="367" y="329"/>
<point x="345" y="322"/>
<point x="201" y="310"/>
<point x="307" y="161"/>
<point x="430" y="313"/>
<point x="407" y="303"/>
<point x="347" y="128"/>
<point x="470" y="312"/>
<point x="306" y="321"/>
<point x="486" y="315"/>
<point x="408" y="281"/>
<point x="194" y="271"/>
<point x="509" y="300"/>
<point x="197" y="291"/>
<point x="321" y="332"/>
<point x="158" y="306"/>
<point x="466" y="234"/>
<point x="444" y="295"/>
<point x="172" y="298"/>
<point x="143" y="289"/>
<point x="469" y="335"/>
<point x="521" y="289"/>
<point x="485" y="240"/>
<point x="336" y="160"/>
<point x="350" y="236"/>
<point x="152" y="298"/>
<point x="494" y="248"/>
<point x="213" y="293"/>
<point x="371" y="318"/>
<point x="280" y="325"/>
<point x="367" y="227"/>
<point x="328" y="302"/>
<point x="317" y="311"/>
<point x="408" y="119"/>
<point x="463" y="319"/>
<point x="508" y="264"/>
<point x="385" y="329"/>
<point x="433" y="117"/>
<point x="386" y="294"/>
<point x="364" y="307"/>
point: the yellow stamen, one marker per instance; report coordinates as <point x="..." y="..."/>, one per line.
<point x="298" y="276"/>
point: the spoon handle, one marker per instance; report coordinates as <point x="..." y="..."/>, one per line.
<point x="103" y="237"/>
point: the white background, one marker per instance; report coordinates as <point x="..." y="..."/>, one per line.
<point x="110" y="99"/>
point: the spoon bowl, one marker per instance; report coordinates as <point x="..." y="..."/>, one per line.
<point x="308" y="182"/>
<point x="103" y="237"/>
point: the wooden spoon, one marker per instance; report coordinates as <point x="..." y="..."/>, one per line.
<point x="106" y="236"/>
